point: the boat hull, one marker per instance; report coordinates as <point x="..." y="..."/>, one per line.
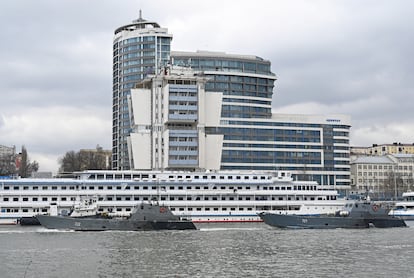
<point x="28" y="221"/>
<point x="96" y="224"/>
<point x="328" y="222"/>
<point x="312" y="222"/>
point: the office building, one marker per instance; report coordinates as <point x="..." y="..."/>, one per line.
<point x="389" y="174"/>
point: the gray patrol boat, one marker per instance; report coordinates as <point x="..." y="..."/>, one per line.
<point x="357" y="214"/>
<point x="145" y="216"/>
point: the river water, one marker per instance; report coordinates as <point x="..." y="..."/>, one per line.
<point x="214" y="250"/>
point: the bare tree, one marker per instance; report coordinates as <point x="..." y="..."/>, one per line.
<point x="26" y="168"/>
<point x="8" y="165"/>
<point x="70" y="162"/>
<point x="84" y="160"/>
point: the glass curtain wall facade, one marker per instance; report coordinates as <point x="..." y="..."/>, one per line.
<point x="139" y="49"/>
<point x="246" y="81"/>
<point x="311" y="147"/>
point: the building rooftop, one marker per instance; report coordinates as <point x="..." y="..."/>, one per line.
<point x="215" y="54"/>
<point x="139" y="23"/>
<point x="372" y="160"/>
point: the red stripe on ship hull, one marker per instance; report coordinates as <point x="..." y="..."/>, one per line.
<point x="226" y="221"/>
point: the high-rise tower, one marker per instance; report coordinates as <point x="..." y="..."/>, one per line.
<point x="139" y="48"/>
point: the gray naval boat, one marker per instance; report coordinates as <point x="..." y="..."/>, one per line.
<point x="357" y="214"/>
<point x="145" y="216"/>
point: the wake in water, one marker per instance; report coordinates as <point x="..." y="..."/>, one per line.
<point x="34" y="229"/>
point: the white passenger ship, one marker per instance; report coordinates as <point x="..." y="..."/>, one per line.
<point x="200" y="196"/>
<point x="405" y="208"/>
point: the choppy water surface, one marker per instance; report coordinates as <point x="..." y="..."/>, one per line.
<point x="215" y="250"/>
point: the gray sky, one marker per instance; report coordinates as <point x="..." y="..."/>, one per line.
<point x="347" y="57"/>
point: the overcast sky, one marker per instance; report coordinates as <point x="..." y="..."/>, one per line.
<point x="347" y="57"/>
